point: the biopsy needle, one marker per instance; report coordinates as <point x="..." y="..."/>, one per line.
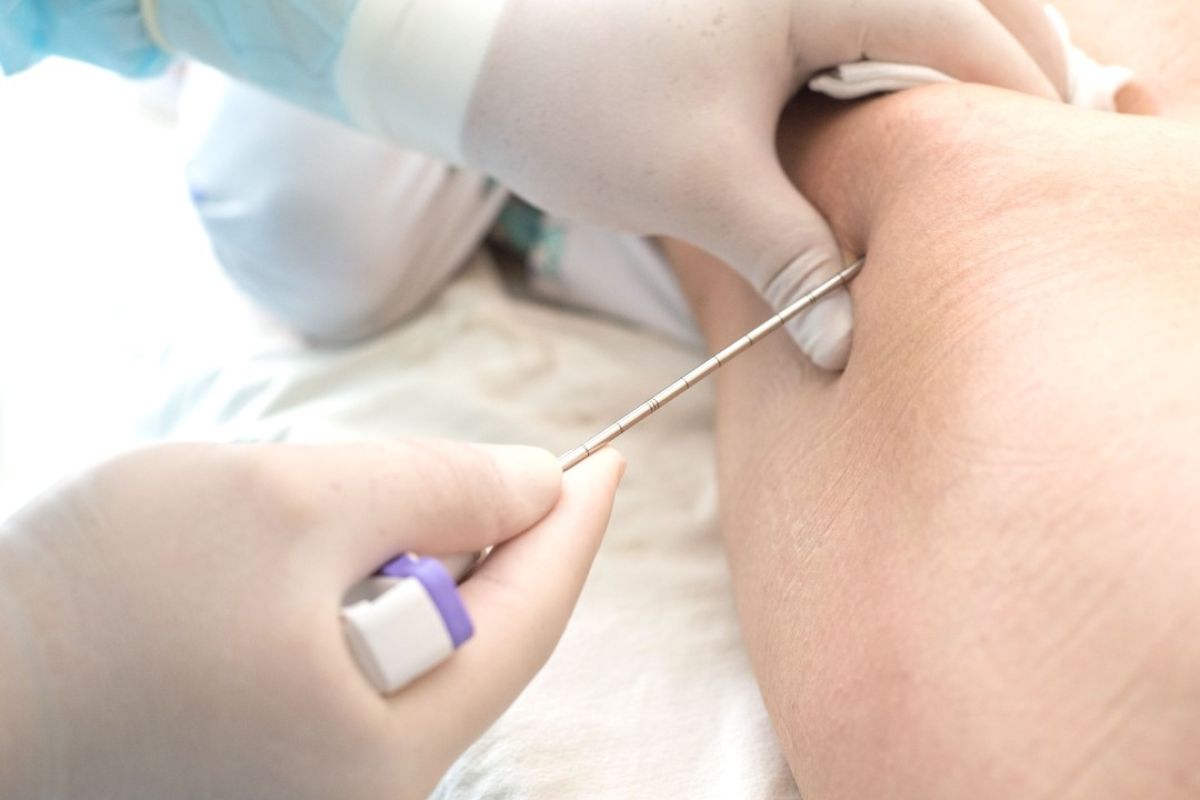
<point x="573" y="458"/>
<point x="424" y="588"/>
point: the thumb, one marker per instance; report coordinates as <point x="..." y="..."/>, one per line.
<point x="967" y="41"/>
<point x="520" y="600"/>
<point x="784" y="248"/>
<point x="825" y="332"/>
<point x="367" y="502"/>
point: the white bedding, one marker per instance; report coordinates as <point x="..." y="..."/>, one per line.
<point x="650" y="694"/>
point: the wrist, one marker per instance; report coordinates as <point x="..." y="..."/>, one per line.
<point x="408" y="70"/>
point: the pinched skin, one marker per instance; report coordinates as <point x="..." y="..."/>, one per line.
<point x="659" y="118"/>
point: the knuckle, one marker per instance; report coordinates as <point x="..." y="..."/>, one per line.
<point x="467" y="479"/>
<point x="469" y="486"/>
<point x="275" y="487"/>
<point x="132" y="478"/>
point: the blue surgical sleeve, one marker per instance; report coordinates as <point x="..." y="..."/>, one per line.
<point x="289" y="47"/>
<point x="108" y="33"/>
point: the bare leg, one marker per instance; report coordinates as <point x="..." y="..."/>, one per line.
<point x="968" y="566"/>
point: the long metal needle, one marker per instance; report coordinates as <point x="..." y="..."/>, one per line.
<point x="574" y="457"/>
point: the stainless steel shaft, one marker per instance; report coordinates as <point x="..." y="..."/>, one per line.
<point x="574" y="457"/>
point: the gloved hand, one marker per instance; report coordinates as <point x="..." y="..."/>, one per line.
<point x="660" y="118"/>
<point x="656" y="118"/>
<point x="169" y="623"/>
<point x="109" y="33"/>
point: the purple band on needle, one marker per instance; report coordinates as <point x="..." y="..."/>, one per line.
<point x="440" y="587"/>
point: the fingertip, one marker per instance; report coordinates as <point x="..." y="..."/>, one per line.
<point x="826" y="333"/>
<point x="981" y="49"/>
<point x="1034" y="83"/>
<point x="572" y="531"/>
<point x="1042" y="31"/>
<point x="833" y="354"/>
<point x="606" y="466"/>
<point x="622" y="466"/>
<point x="520" y="600"/>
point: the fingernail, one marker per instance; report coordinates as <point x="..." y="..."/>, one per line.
<point x="624" y="465"/>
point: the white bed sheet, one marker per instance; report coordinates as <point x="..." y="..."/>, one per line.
<point x="650" y="694"/>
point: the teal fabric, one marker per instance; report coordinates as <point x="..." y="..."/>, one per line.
<point x="520" y="227"/>
<point x="528" y="233"/>
<point x="108" y="33"/>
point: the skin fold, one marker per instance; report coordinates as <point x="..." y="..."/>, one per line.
<point x="967" y="566"/>
<point x="643" y="96"/>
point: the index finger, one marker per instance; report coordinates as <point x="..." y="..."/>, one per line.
<point x="365" y="503"/>
<point x="961" y="39"/>
<point x="1031" y="25"/>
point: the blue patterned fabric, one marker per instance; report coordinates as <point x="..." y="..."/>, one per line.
<point x="108" y="33"/>
<point x="288" y="47"/>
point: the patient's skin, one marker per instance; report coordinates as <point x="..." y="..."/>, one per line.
<point x="969" y="566"/>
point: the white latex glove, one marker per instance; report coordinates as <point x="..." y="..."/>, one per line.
<point x="657" y="118"/>
<point x="169" y="622"/>
<point x="660" y="117"/>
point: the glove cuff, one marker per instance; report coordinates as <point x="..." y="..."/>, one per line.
<point x="408" y="70"/>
